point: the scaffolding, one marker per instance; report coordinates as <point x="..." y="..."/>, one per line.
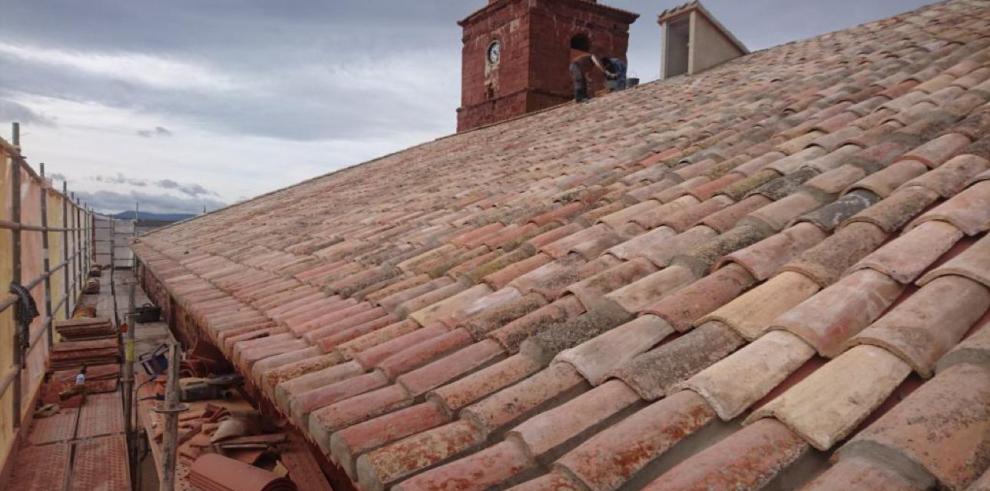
<point x="46" y="239"/>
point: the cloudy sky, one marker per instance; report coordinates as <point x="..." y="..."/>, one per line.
<point x="187" y="104"/>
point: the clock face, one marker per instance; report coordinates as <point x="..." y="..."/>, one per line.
<point x="494" y="52"/>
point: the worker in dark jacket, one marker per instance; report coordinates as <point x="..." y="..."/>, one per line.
<point x="615" y="73"/>
<point x="580" y="67"/>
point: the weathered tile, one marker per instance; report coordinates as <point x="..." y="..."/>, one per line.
<point x="347" y="444"/>
<point x="478" y="471"/>
<point x="907" y="256"/>
<point x="927" y="324"/>
<point x="734" y="383"/>
<point x="385" y="466"/>
<point x="943" y="426"/>
<point x="828" y="319"/>
<point x="550" y="430"/>
<point x="867" y="473"/>
<point x="641" y="293"/>
<point x="456" y="395"/>
<point x="509" y="405"/>
<point x="751" y="313"/>
<point x="748" y="459"/>
<point x="765" y="257"/>
<point x="973" y="263"/>
<point x="681" y="309"/>
<point x="825" y="262"/>
<point x="969" y="210"/>
<point x="595" y="358"/>
<point x="828" y="404"/>
<point x="610" y="458"/>
<point x="655" y="373"/>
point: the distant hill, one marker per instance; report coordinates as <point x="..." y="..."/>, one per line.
<point x="154" y="217"/>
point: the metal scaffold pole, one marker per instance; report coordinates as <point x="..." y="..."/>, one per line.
<point x="15" y="216"/>
<point x="171" y="410"/>
<point x="46" y="260"/>
<point x="127" y="379"/>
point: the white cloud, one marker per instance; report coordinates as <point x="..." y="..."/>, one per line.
<point x="139" y="68"/>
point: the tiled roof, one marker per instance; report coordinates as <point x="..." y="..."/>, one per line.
<point x="776" y="272"/>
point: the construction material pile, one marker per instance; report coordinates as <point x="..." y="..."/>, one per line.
<point x="85" y="328"/>
<point x="76" y="354"/>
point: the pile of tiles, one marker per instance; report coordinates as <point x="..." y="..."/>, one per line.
<point x="213" y="472"/>
<point x="84" y="328"/>
<point x="773" y="273"/>
<point x="75" y="354"/>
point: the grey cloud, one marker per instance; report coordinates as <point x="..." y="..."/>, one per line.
<point x="157" y="131"/>
<point x="191" y="189"/>
<point x="120" y="179"/>
<point x="113" y="201"/>
<point x="57" y="177"/>
<point x="14" y="111"/>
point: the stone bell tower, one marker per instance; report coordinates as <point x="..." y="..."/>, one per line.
<point x="516" y="54"/>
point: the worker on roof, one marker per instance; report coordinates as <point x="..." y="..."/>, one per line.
<point x="615" y="73"/>
<point x="613" y="68"/>
<point x="580" y="67"/>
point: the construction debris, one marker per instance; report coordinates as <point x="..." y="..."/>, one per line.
<point x="213" y="472"/>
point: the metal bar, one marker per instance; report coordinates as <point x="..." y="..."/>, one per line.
<point x="10" y="300"/>
<point x="113" y="287"/>
<point x="65" y="247"/>
<point x="46" y="322"/>
<point x="46" y="260"/>
<point x="59" y="304"/>
<point x="11" y="225"/>
<point x="15" y="215"/>
<point x="79" y="247"/>
<point x="127" y="378"/>
<point x="8" y="379"/>
<point x="171" y="410"/>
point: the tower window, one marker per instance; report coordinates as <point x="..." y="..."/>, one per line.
<point x="581" y="42"/>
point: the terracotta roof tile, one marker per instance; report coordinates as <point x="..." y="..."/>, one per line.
<point x="639" y="294"/>
<point x="826" y="320"/>
<point x="927" y="324"/>
<point x="750" y="314"/>
<point x="497" y="464"/>
<point x="825" y="407"/>
<point x="748" y="459"/>
<point x="554" y="383"/>
<point x="973" y="263"/>
<point x="969" y="210"/>
<point x="380" y="468"/>
<point x="941" y="427"/>
<point x="724" y="200"/>
<point x="684" y="307"/>
<point x="859" y="473"/>
<point x="654" y="374"/>
<point x="952" y="176"/>
<point x="471" y="388"/>
<point x="613" y="456"/>
<point x="762" y="365"/>
<point x="362" y="437"/>
<point x="765" y="257"/>
<point x="907" y="256"/>
<point x="824" y="262"/>
<point x="975" y="349"/>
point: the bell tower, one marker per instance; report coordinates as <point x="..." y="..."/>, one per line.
<point x="516" y="54"/>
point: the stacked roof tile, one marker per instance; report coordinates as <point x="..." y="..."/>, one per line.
<point x="774" y="273"/>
